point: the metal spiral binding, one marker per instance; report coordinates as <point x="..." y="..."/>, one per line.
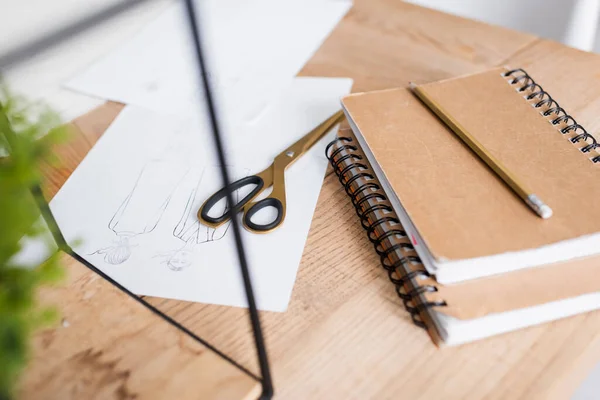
<point x="519" y="76"/>
<point x="383" y="227"/>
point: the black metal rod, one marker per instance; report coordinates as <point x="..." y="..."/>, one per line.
<point x="267" y="385"/>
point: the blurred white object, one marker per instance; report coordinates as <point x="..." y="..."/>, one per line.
<point x="572" y="22"/>
<point x="254" y="49"/>
<point x="583" y="25"/>
<point x="40" y="77"/>
<point x="590" y="388"/>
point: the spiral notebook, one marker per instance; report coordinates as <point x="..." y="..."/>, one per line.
<point x="434" y="210"/>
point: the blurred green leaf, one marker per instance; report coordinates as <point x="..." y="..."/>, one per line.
<point x="27" y="133"/>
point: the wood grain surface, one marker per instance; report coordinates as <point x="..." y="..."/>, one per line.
<point x="345" y="334"/>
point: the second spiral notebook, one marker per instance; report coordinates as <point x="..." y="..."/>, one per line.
<point x="435" y="210"/>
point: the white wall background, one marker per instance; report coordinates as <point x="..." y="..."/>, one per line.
<point x="572" y="22"/>
<point x="40" y="77"/>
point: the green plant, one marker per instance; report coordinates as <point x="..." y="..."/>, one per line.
<point x="22" y="151"/>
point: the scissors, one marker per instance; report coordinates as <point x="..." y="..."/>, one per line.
<point x="274" y="176"/>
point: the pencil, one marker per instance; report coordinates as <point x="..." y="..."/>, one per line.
<point x="530" y="198"/>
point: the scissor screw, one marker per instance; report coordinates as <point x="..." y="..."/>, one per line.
<point x="290" y="154"/>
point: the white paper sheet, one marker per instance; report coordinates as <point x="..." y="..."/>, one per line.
<point x="254" y="48"/>
<point x="133" y="200"/>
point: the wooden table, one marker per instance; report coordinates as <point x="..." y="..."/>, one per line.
<point x="346" y="334"/>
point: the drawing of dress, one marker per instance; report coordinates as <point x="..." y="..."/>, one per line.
<point x="189" y="227"/>
<point x="189" y="230"/>
<point x="143" y="207"/>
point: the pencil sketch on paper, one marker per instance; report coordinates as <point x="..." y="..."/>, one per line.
<point x="144" y="206"/>
<point x="142" y="209"/>
<point x="191" y="232"/>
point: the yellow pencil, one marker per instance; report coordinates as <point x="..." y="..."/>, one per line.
<point x="530" y="198"/>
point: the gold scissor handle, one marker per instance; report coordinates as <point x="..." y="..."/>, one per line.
<point x="274" y="176"/>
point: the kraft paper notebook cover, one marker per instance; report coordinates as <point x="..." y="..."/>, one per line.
<point x="458" y="313"/>
<point x="428" y="174"/>
<point x="468" y="222"/>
